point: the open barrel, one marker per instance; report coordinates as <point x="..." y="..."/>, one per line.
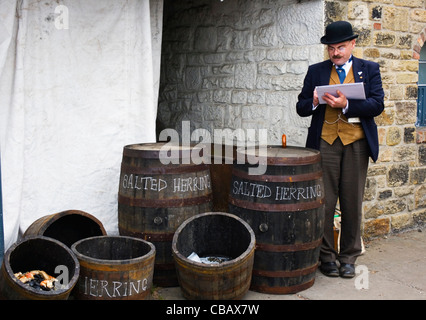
<point x="285" y="208"/>
<point x="66" y="226"/>
<point x="114" y="268"/>
<point x="214" y="235"/>
<point x="160" y="187"/>
<point x="38" y="253"/>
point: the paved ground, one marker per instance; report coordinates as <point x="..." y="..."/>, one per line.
<point x="391" y="268"/>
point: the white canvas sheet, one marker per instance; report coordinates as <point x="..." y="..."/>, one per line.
<point x="78" y="81"/>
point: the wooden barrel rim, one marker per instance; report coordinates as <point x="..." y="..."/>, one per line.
<point x="234" y="263"/>
<point x="52" y="218"/>
<point x="29" y="291"/>
<point x="164" y="169"/>
<point x="84" y="259"/>
<point x="277" y="155"/>
<point x="152" y="150"/>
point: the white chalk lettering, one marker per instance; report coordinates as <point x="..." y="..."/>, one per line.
<point x="145" y="183"/>
<point x="281" y="193"/>
<point x="113" y="289"/>
<point x="191" y="184"/>
<point x="250" y="189"/>
<point x="305" y="193"/>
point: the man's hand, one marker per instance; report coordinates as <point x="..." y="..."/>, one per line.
<point x="315" y="102"/>
<point x="339" y="102"/>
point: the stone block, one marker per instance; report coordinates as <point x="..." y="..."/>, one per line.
<point x="401" y="221"/>
<point x="404" y="153"/>
<point x="418" y="15"/>
<point x="420" y="197"/>
<point x="406" y="112"/>
<point x="193" y="79"/>
<point x="376" y="228"/>
<point x="422" y="155"/>
<point x="205" y="39"/>
<point x="372" y="53"/>
<point x="409" y="135"/>
<point x="384" y="39"/>
<point x="398" y="175"/>
<point x="395" y="18"/>
<point x="407" y="77"/>
<point x="239" y="97"/>
<point x="376" y="12"/>
<point x="419" y="218"/>
<point x="393" y="136"/>
<point x="265" y="37"/>
<point x="370" y="189"/>
<point x="245" y="75"/>
<point x="386" y="118"/>
<point x="418" y="176"/>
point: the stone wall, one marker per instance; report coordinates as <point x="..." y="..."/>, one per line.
<point x="241" y="63"/>
<point x="238" y="64"/>
<point x="392" y="33"/>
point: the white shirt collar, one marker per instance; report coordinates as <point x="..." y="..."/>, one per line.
<point x="347" y="65"/>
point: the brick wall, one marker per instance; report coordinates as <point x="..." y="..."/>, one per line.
<point x="240" y="64"/>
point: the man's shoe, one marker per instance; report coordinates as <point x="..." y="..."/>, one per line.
<point x="329" y="269"/>
<point x="347" y="270"/>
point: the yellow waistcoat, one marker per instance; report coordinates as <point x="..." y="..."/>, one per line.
<point x="335" y="122"/>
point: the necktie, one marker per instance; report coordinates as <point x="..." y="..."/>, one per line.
<point x="341" y="72"/>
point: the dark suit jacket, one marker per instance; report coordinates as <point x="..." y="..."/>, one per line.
<point x="364" y="71"/>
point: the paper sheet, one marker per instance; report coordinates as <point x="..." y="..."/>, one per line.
<point x="349" y="90"/>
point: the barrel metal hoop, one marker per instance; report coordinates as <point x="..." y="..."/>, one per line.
<point x="283" y="290"/>
<point x="301" y="206"/>
<point x="288" y="247"/>
<point x="277" y="178"/>
<point x="285" y="273"/>
<point x="164" y="203"/>
<point x="157" y="237"/>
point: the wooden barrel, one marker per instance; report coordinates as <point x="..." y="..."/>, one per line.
<point x="214" y="234"/>
<point x="155" y="198"/>
<point x="114" y="268"/>
<point x="285" y="208"/>
<point x="222" y="159"/>
<point x="67" y="226"/>
<point x="38" y="253"/>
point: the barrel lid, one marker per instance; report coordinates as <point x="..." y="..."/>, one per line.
<point x="277" y="155"/>
<point x="152" y="150"/>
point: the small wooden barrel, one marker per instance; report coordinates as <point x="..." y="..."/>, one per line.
<point x="214" y="234"/>
<point x="38" y="253"/>
<point x="67" y="226"/>
<point x="155" y="198"/>
<point x="114" y="268"/>
<point x="284" y="206"/>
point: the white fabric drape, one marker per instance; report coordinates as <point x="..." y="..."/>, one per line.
<point x="78" y="81"/>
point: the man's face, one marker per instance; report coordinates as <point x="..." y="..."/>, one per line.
<point x="339" y="53"/>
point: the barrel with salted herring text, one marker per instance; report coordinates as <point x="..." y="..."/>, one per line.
<point x="161" y="185"/>
<point x="285" y="208"/>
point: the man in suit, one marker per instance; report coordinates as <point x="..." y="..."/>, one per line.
<point x="345" y="133"/>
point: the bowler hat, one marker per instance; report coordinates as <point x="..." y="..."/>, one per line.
<point x="339" y="31"/>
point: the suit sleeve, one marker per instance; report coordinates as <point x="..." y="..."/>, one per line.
<point x="374" y="103"/>
<point x="305" y="98"/>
